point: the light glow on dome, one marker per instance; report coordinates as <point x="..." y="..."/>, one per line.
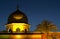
<point x="18" y="17"/>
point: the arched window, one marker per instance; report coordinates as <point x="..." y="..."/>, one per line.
<point x="25" y="30"/>
<point x="17" y="30"/>
<point x="10" y="31"/>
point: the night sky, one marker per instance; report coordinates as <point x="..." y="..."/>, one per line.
<point x="36" y="11"/>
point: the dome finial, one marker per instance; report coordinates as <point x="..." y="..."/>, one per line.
<point x="17" y="7"/>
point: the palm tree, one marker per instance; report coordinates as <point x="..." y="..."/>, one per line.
<point x="46" y="26"/>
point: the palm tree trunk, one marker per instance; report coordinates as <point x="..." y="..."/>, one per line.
<point x="47" y="36"/>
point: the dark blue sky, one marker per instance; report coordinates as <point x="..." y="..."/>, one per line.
<point x="36" y="11"/>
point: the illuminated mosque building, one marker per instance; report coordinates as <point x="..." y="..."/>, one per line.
<point x="17" y="22"/>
